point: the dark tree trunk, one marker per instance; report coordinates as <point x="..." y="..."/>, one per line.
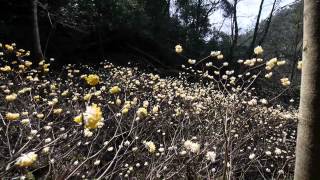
<point x="35" y="32"/>
<point x="255" y="33"/>
<point x="307" y="166"/>
<point x="236" y="30"/>
<point x="266" y="30"/>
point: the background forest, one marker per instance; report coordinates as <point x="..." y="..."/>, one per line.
<point x="146" y="31"/>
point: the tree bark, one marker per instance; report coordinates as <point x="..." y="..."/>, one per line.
<point x="266" y="30"/>
<point x="236" y="30"/>
<point x="256" y="28"/>
<point x="307" y="165"/>
<point x="38" y="55"/>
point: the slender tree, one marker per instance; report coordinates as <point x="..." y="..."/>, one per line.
<point x="235" y="29"/>
<point x="307" y="165"/>
<point x="256" y="28"/>
<point x="38" y="55"/>
<point x="266" y="30"/>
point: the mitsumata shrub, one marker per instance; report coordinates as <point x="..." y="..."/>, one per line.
<point x="122" y="122"/>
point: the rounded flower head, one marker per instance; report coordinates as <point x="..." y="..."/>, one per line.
<point x="142" y="112"/>
<point x="150" y="146"/>
<point x="215" y="53"/>
<point x="11" y="97"/>
<point x="192" y="61"/>
<point x="220" y="56"/>
<point x="9" y="47"/>
<point x="12" y="116"/>
<point x="285" y="82"/>
<point x="92" y="117"/>
<point x="5" y="69"/>
<point x="115" y="90"/>
<point x="26" y="160"/>
<point x="258" y="50"/>
<point x="92" y="79"/>
<point x="211" y="156"/>
<point x="178" y="49"/>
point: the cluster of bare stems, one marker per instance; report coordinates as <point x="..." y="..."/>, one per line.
<point x="152" y="127"/>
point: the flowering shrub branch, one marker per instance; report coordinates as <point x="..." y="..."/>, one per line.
<point x="124" y="122"/>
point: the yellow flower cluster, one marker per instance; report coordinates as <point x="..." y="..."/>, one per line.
<point x="115" y="90"/>
<point x="11" y="97"/>
<point x="285" y="82"/>
<point x="12" y="116"/>
<point x="26" y="160"/>
<point x="9" y="47"/>
<point x="191" y="146"/>
<point x="150" y="146"/>
<point x="5" y="69"/>
<point x="142" y="112"/>
<point x="178" y="49"/>
<point x="92" y="79"/>
<point x="258" y="50"/>
<point x="92" y="116"/>
<point x="271" y="64"/>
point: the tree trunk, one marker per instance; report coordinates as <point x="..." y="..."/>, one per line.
<point x="236" y="30"/>
<point x="266" y="30"/>
<point x="35" y="32"/>
<point x="255" y="33"/>
<point x="307" y="165"/>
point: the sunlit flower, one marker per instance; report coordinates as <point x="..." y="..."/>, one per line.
<point x="92" y="116"/>
<point x="252" y="156"/>
<point x="178" y="49"/>
<point x="211" y="156"/>
<point x="193" y="147"/>
<point x="215" y="53"/>
<point x="150" y="146"/>
<point x="285" y="82"/>
<point x="220" y="56"/>
<point x="192" y="61"/>
<point x="96" y="163"/>
<point x="125" y="111"/>
<point x="271" y="63"/>
<point x="263" y="101"/>
<point x="87" y="133"/>
<point x="115" y="90"/>
<point x="28" y="63"/>
<point x="25" y="121"/>
<point x="92" y="79"/>
<point x="280" y="63"/>
<point x="57" y="111"/>
<point x="268" y="75"/>
<point x="5" y="69"/>
<point x="87" y="97"/>
<point x="277" y="151"/>
<point x="78" y="119"/>
<point x="8" y="47"/>
<point x="26" y="160"/>
<point x="11" y="97"/>
<point x="142" y="112"/>
<point x="155" y="109"/>
<point x="45" y="150"/>
<point x="12" y="116"/>
<point x="40" y="115"/>
<point x="258" y="50"/>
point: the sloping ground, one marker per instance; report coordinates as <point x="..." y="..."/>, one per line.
<point x="119" y="122"/>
